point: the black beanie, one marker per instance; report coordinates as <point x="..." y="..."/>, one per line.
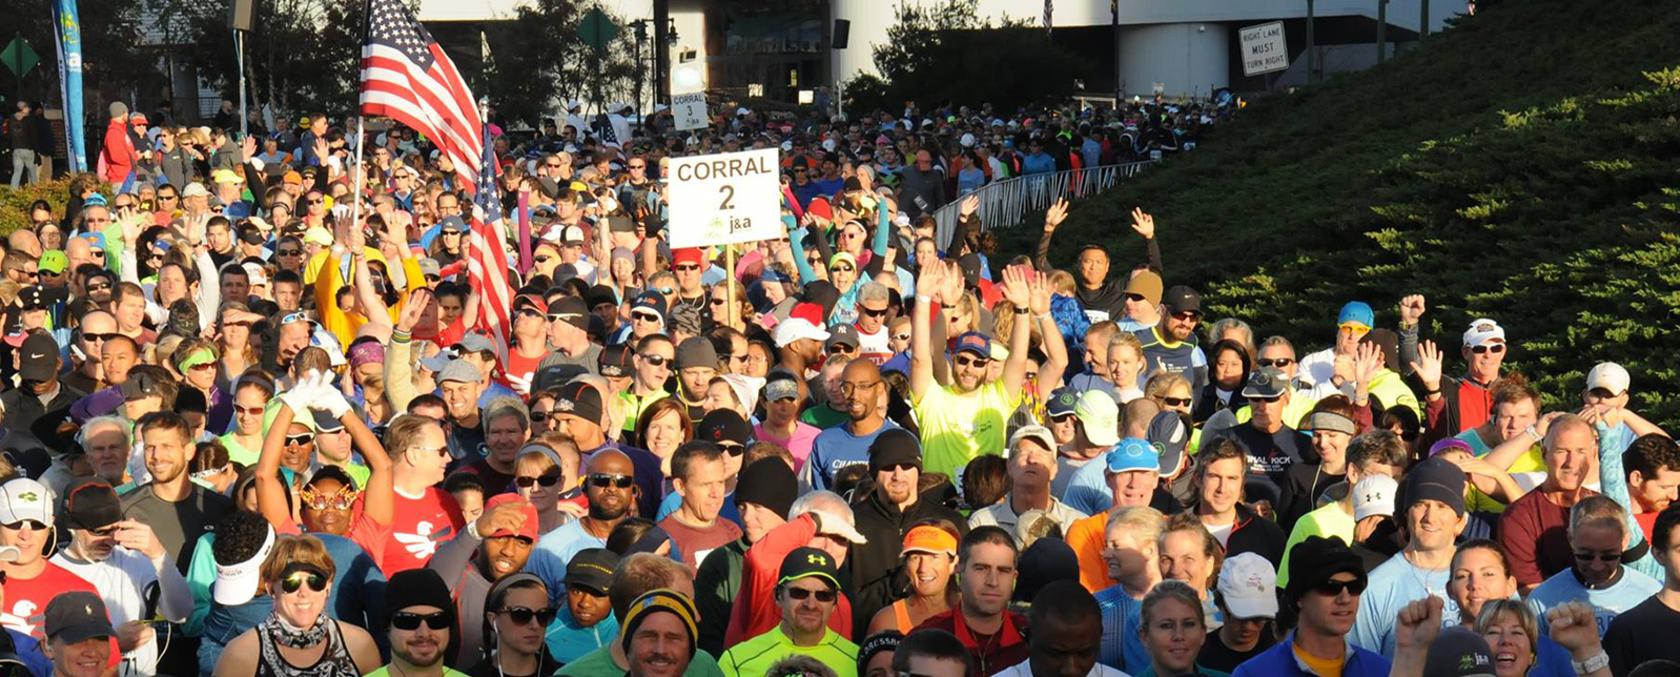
<point x="1315" y="560"/>
<point x="1046" y="560"/>
<point x="770" y="483"/>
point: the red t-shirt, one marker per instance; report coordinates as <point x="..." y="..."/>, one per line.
<point x="695" y="543"/>
<point x="26" y="598"/>
<point x="420" y="525"/>
<point x="1534" y="533"/>
<point x="1475" y="405"/>
<point x="521" y="367"/>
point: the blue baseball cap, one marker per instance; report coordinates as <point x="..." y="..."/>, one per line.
<point x="974" y="342"/>
<point x="1133" y="453"/>
<point x="1357" y="312"/>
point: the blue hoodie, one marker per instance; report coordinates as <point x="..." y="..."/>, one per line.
<point x="224" y="623"/>
<point x="1280" y="661"/>
<point x="568" y="641"/>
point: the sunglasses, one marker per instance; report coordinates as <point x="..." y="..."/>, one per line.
<point x="1265" y="400"/>
<point x="298" y="579"/>
<point x="1177" y="401"/>
<point x="686" y="268"/>
<point x="289" y="252"/>
<point x="900" y="337"/>
<point x="602" y="480"/>
<point x="871" y="312"/>
<point x="543" y="259"/>
<point x="523" y="616"/>
<point x="1280" y="362"/>
<point x="1135" y="298"/>
<point x="315" y="201"/>
<point x="99" y="338"/>
<point x="824" y="596"/>
<point x="1187" y="316"/>
<point x="20" y="525"/>
<point x="845" y="268"/>
<point x="966" y="361"/>
<point x="248" y="411"/>
<point x="1600" y="556"/>
<point x="732" y="448"/>
<point x="638" y="166"/>
<point x="437" y="620"/>
<point x="300" y="440"/>
<point x="98" y="287"/>
<point x="841" y="348"/>
<point x="1354" y="587"/>
<point x="645" y="317"/>
<point x="1495" y="348"/>
<point x="166" y="197"/>
<point x="655" y="360"/>
<point x="207" y="366"/>
<point x="547" y="480"/>
<point x="719" y="302"/>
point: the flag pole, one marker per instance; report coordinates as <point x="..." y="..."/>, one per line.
<point x="356" y="166"/>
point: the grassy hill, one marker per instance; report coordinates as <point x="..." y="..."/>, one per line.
<point x="1524" y="165"/>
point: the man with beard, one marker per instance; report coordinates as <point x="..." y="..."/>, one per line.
<point x="494" y="547"/>
<point x="178" y="510"/>
<point x="968" y="417"/>
<point x="863" y="396"/>
<point x="896" y="503"/>
<point x="609" y="481"/>
<point x="423" y="631"/>
<point x="807" y="592"/>
<point x="123" y="559"/>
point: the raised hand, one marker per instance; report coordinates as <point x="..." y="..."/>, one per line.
<point x="1038" y="287"/>
<point x="969" y="205"/>
<point x="1572" y="625"/>
<point x="248" y="148"/>
<point x="1143" y="223"/>
<point x="509" y="516"/>
<point x="954" y="281"/>
<point x="1055" y="215"/>
<point x="1428" y="365"/>
<point x="1015" y="287"/>
<point x="413" y="309"/>
<point x="1411" y="310"/>
<point x="1367" y="361"/>
<point x="1420" y="622"/>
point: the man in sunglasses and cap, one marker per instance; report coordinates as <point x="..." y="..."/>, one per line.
<point x="1452" y="405"/>
<point x="1325" y="591"/>
<point x="807" y="592"/>
<point x="494" y="547"/>
<point x="422" y="632"/>
<point x="26" y="524"/>
<point x="123" y="559"/>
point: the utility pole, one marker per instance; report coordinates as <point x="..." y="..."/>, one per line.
<point x="661" y="51"/>
<point x="1423" y="20"/>
<point x="1312" y="48"/>
<point x="1114" y="19"/>
<point x="1382" y="30"/>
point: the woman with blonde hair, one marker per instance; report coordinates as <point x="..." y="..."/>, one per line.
<point x="298" y="638"/>
<point x="539" y="477"/>
<point x="196" y="360"/>
<point x="233" y="340"/>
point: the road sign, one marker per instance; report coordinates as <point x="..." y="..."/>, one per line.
<point x="689" y="111"/>
<point x="597" y="30"/>
<point x="1263" y="48"/>
<point x="19" y="57"/>
<point x="725" y="198"/>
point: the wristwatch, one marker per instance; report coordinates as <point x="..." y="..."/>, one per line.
<point x="1593" y="664"/>
<point x="1533" y="433"/>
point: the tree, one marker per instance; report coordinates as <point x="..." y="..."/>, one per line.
<point x="1007" y="64"/>
<point x="538" y="60"/>
<point x="115" y="65"/>
<point x="303" y="57"/>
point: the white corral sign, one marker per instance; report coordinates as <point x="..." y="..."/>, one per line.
<point x="689" y="110"/>
<point x="725" y="198"/>
<point x="1263" y="49"/>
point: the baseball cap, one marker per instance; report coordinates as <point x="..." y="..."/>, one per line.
<point x="724" y="425"/>
<point x="533" y="301"/>
<point x="1609" y="376"/>
<point x="527" y="529"/>
<point x="1036" y="433"/>
<point x="930" y="539"/>
<point x="1248" y="585"/>
<point x="460" y="370"/>
<point x="1062" y="402"/>
<point x="1100" y="416"/>
<point x="452" y="224"/>
<point x="1357" y="312"/>
<point x="475" y="342"/>
<point x="1133" y="453"/>
<point x="77" y="615"/>
<point x="195" y="189"/>
<point x="53" y="261"/>
<point x="1374" y="495"/>
<point x="781" y="389"/>
<point x="1169" y="435"/>
<point x="225" y="176"/>
<point x="842" y="334"/>
<point x="1146" y="284"/>
<point x="974" y="342"/>
<point x="796" y="328"/>
<point x="23" y="499"/>
<point x="37" y="357"/>
<point x="91" y="505"/>
<point x="571" y="234"/>
<point x="592" y="568"/>
<point x="808" y="563"/>
<point x="1266" y="382"/>
<point x="1458" y="652"/>
<point x="1482" y="331"/>
<point x="1181" y="299"/>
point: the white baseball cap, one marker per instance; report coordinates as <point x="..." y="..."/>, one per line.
<point x="23" y="499"/>
<point x="237" y="583"/>
<point x="1374" y="495"/>
<point x="1100" y="416"/>
<point x="1481" y="331"/>
<point x="1609" y="376"/>
<point x="1248" y="584"/>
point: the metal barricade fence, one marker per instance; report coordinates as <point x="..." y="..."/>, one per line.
<point x="1004" y="203"/>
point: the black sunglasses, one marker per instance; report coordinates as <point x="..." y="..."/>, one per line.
<point x="1280" y="362"/>
<point x="547" y="480"/>
<point x="1600" y="556"/>
<point x="732" y="448"/>
<point x="824" y="596"/>
<point x="299" y="440"/>
<point x="523" y="616"/>
<point x="437" y="620"/>
<point x="1176" y="401"/>
<point x="1333" y="588"/>
<point x="1495" y="348"/>
<point x="294" y="582"/>
<point x="604" y="480"/>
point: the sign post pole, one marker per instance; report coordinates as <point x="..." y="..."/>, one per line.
<point x="734" y="312"/>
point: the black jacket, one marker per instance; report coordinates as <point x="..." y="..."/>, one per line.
<point x="874" y="566"/>
<point x="1252" y="533"/>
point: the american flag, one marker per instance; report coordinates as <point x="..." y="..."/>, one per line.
<point x="487" y="259"/>
<point x="407" y="77"/>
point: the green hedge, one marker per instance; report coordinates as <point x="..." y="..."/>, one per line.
<point x="1523" y="165"/>
<point x="14" y="203"/>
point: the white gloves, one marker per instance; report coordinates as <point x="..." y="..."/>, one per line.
<point x="315" y="392"/>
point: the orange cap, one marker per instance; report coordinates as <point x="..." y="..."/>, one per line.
<point x="930" y="539"/>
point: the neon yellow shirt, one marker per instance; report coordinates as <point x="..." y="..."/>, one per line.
<point x="1330" y="520"/>
<point x="754" y="657"/>
<point x="956" y="427"/>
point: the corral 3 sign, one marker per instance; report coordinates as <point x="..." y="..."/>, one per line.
<point x="725" y="198"/>
<point x="1264" y="49"/>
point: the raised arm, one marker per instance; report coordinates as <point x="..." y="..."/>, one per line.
<point x="1055" y="349"/>
<point x="922" y="317"/>
<point x="399" y="369"/>
<point x="1017" y="293"/>
<point x="1144" y="223"/>
<point x="1053" y="217"/>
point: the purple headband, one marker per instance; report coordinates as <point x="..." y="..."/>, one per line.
<point x="366" y="352"/>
